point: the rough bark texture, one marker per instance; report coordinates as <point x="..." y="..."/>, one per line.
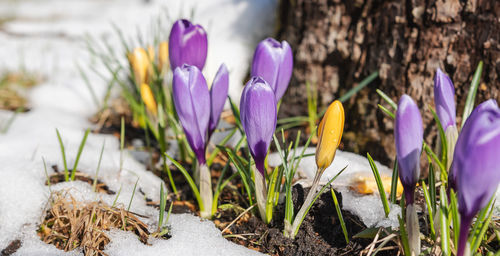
<point x="339" y="42"/>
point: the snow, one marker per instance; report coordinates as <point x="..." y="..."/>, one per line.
<point x="48" y="37"/>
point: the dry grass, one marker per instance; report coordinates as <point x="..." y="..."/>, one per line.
<point x="13" y="88"/>
<point x="70" y="224"/>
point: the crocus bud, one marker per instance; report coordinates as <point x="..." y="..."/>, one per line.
<point x="258" y="115"/>
<point x="139" y="61"/>
<point x="162" y="56"/>
<point x="273" y="61"/>
<point x="477" y="165"/>
<point x="330" y="132"/>
<point x="192" y="103"/>
<point x="218" y="95"/>
<point x="187" y="45"/>
<point x="444" y="99"/>
<point x="408" y="134"/>
<point x="489" y="105"/>
<point x="148" y="98"/>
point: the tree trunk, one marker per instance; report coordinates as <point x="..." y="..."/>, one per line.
<point x="337" y="43"/>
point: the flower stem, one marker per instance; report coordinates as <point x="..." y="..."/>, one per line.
<point x="305" y="206"/>
<point x="205" y="190"/>
<point x="464" y="233"/>
<point x="261" y="194"/>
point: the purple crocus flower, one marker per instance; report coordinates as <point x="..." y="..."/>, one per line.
<point x="476" y="164"/>
<point x="408" y="133"/>
<point x="273" y="61"/>
<point x="187" y="45"/>
<point x="490" y="104"/>
<point x="258" y="117"/>
<point x="218" y="95"/>
<point x="444" y="99"/>
<point x="192" y="103"/>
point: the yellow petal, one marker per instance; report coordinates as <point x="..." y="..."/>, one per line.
<point x="330" y="132"/>
<point x="148" y="98"/>
<point x="139" y="60"/>
<point x="163" y="56"/>
<point x="366" y="184"/>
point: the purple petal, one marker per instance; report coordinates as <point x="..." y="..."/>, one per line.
<point x="408" y="134"/>
<point x="258" y="117"/>
<point x="476" y="162"/>
<point x="273" y="61"/>
<point x="218" y="96"/>
<point x="192" y="103"/>
<point x="444" y="99"/>
<point x="187" y="45"/>
<point x="465" y="136"/>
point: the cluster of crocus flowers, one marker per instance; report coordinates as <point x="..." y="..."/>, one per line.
<point x="475" y="169"/>
<point x="330" y="132"/>
<point x="199" y="111"/>
<point x="444" y="99"/>
<point x="408" y="134"/>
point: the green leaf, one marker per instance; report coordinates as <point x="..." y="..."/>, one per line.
<point x="358" y="88"/>
<point x="190" y="181"/>
<point x="80" y="150"/>
<point x="471" y="96"/>
<point x="387" y="111"/>
<point x="430" y="210"/>
<point x="387" y="99"/>
<point x="394" y="182"/>
<point x="404" y="236"/>
<point x="368" y="233"/>
<point x="63" y="153"/>
<point x="380" y="185"/>
<point x="442" y="136"/>
<point x="339" y="214"/>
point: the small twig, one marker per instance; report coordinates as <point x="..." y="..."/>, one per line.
<point x="237" y="218"/>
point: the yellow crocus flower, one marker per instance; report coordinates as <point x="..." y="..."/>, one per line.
<point x="330" y="132"/>
<point x="148" y="98"/>
<point x="163" y="56"/>
<point x="139" y="61"/>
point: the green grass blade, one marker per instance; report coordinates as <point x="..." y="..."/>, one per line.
<point x="122" y="142"/>
<point x="190" y="181"/>
<point x="471" y="96"/>
<point x="117" y="195"/>
<point x="387" y="111"/>
<point x="380" y="185"/>
<point x="63" y="153"/>
<point x="339" y="214"/>
<point x="387" y="99"/>
<point x="404" y="236"/>
<point x="454" y="217"/>
<point x="46" y="174"/>
<point x="163" y="203"/>
<point x="79" y="153"/>
<point x="394" y="182"/>
<point x="442" y="135"/>
<point x="430" y="210"/>
<point x="444" y="223"/>
<point x="217" y="150"/>
<point x="94" y="185"/>
<point x="358" y="88"/>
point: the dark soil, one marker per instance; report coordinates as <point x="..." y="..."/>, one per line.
<point x="320" y="233"/>
<point x="11" y="248"/>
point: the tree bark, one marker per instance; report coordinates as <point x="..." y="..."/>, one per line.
<point x="337" y="43"/>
